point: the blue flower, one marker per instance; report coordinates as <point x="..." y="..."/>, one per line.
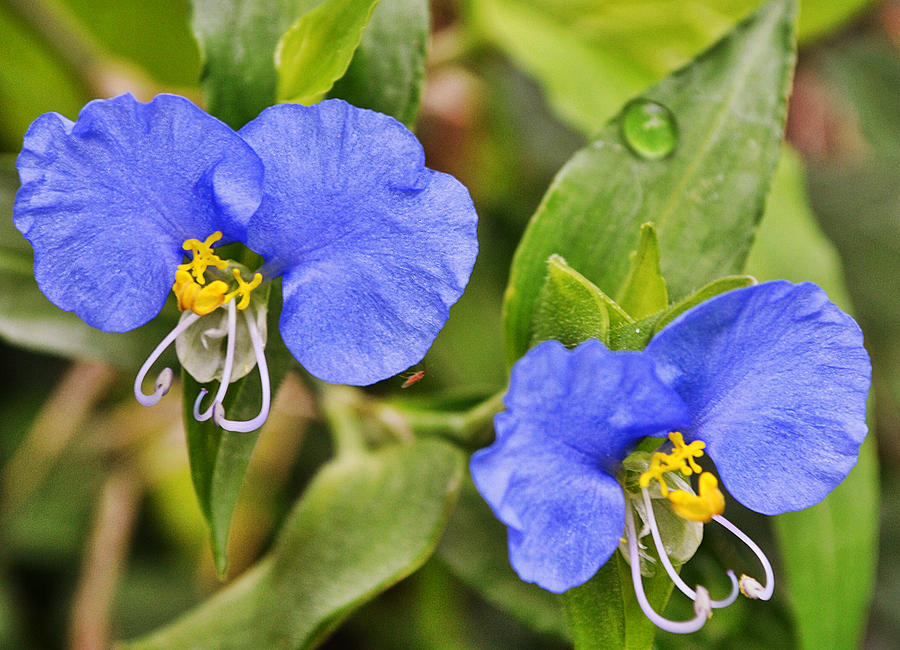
<point x="108" y="201"/>
<point x="374" y="247"/>
<point x="771" y="381"/>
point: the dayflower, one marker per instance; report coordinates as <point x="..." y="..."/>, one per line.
<point x="373" y="247"/>
<point x="770" y="381"/>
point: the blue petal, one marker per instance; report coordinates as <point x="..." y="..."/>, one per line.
<point x="776" y="378"/>
<point x="572" y="416"/>
<point x="374" y="247"/>
<point x="107" y="201"/>
<point x="565" y="515"/>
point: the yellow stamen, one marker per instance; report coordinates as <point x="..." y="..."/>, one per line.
<point x="244" y="288"/>
<point x="700" y="507"/>
<point x="681" y="459"/>
<point x="204" y="256"/>
<point x="200" y="300"/>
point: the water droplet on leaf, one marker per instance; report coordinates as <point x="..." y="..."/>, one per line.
<point x="649" y="129"/>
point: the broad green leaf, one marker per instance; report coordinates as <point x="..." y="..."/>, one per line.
<point x="237" y="41"/>
<point x="388" y="67"/>
<point x="569" y="307"/>
<point x="705" y="198"/>
<point x="317" y="49"/>
<point x="789" y="244"/>
<point x="28" y="319"/>
<point x="365" y="522"/>
<point x="828" y="566"/>
<point x="644" y="290"/>
<point x="702" y="294"/>
<point x="219" y="458"/>
<point x="591" y="56"/>
<point x="474" y="549"/>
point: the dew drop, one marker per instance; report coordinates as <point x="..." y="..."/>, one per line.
<point x="649" y="129"/>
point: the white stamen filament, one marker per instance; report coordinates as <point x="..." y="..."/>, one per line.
<point x="164" y="379"/>
<point x="702" y="608"/>
<point x="226" y="370"/>
<point x="749" y="586"/>
<point x="667" y="564"/>
<point x="257" y="422"/>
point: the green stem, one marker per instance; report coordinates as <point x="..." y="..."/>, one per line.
<point x="471" y="428"/>
<point x="340" y="408"/>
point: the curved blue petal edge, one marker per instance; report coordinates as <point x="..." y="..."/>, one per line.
<point x="776" y="378"/>
<point x="107" y="201"/>
<point x="571" y="416"/>
<point x="374" y="247"/>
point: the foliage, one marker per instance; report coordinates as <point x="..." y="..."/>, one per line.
<point x="627" y="163"/>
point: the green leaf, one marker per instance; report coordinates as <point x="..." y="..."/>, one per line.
<point x="633" y="336"/>
<point x="317" y="49"/>
<point x="28" y="319"/>
<point x="705" y="198"/>
<point x="789" y="244"/>
<point x="474" y="549"/>
<point x="704" y="293"/>
<point x="388" y="67"/>
<point x="640" y="630"/>
<point x="237" y="41"/>
<point x="595" y="611"/>
<point x="644" y="290"/>
<point x="828" y="566"/>
<point x="602" y="614"/>
<point x="365" y="522"/>
<point x="569" y="307"/>
<point x="592" y="56"/>
<point x="219" y="458"/>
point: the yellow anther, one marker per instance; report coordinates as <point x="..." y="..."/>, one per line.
<point x="204" y="256"/>
<point x="244" y="288"/>
<point x="200" y="300"/>
<point x="700" y="507"/>
<point x="687" y="453"/>
<point x="681" y="459"/>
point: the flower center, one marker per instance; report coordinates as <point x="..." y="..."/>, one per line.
<point x="689" y="507"/>
<point x="203" y="285"/>
<point x="190" y="285"/>
<point x="682" y="458"/>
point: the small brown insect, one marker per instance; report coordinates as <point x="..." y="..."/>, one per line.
<point x="413" y="378"/>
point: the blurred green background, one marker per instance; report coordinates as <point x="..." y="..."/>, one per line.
<point x="100" y="534"/>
